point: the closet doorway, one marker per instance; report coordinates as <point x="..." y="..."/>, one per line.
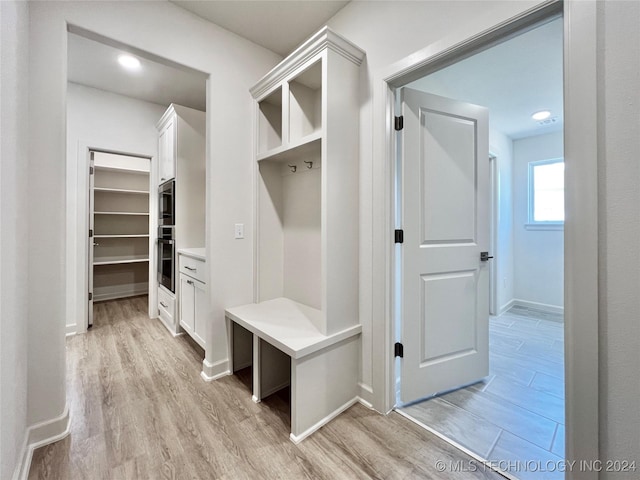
<point x="119" y="226"/>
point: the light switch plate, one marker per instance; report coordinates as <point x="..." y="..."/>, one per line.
<point x="239" y="230"/>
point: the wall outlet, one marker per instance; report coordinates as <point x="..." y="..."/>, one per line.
<point x="239" y="230"/>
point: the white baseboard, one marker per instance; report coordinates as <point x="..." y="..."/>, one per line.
<point x="506" y="307"/>
<point x="213" y="371"/>
<point x="71" y="329"/>
<point x="298" y="438"/>
<point x="365" y="396"/>
<point x="39" y="435"/>
<point x="545" y="307"/>
<point x="174" y="330"/>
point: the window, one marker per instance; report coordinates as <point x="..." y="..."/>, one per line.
<point x="546" y="194"/>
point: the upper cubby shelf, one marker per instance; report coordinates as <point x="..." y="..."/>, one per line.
<point x="292" y="98"/>
<point x="305" y="104"/>
<point x="270" y="122"/>
<point x="291" y="116"/>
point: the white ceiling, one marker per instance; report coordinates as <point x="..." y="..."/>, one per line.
<point x="95" y="64"/>
<point x="513" y="79"/>
<point x="279" y="25"/>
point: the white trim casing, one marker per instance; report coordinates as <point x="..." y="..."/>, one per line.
<point x="214" y="371"/>
<point x="324" y="38"/>
<point x="312" y="429"/>
<point x="581" y="235"/>
<point x="39" y="435"/>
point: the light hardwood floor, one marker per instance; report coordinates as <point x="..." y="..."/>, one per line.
<point x="516" y="415"/>
<point x="140" y="411"/>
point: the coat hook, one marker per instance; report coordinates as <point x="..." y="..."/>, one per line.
<point x="309" y="164"/>
<point x="293" y="168"/>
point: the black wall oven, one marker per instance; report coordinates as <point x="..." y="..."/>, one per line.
<point x="166" y="257"/>
<point x="167" y="203"/>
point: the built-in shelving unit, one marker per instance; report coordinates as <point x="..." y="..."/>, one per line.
<point x="304" y="321"/>
<point x="120" y="226"/>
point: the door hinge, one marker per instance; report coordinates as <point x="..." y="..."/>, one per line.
<point x="398" y="350"/>
<point x="90" y="170"/>
<point x="399" y="123"/>
<point x="90" y="232"/>
<point x="90" y="296"/>
<point x="399" y="236"/>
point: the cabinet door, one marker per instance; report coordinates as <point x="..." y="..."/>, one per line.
<point x="167" y="151"/>
<point x="201" y="309"/>
<point x="187" y="303"/>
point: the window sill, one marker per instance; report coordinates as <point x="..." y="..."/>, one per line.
<point x="544" y="226"/>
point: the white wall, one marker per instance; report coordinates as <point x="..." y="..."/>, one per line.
<point x="165" y="30"/>
<point x="619" y="224"/>
<point x="538" y="254"/>
<point x="14" y="48"/>
<point x="502" y="147"/>
<point x="97" y="119"/>
<point x="408" y="27"/>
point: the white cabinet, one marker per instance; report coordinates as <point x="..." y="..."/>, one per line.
<point x="181" y="156"/>
<point x="193" y="304"/>
<point x="305" y="315"/>
<point x="166" y="307"/>
<point x="167" y="148"/>
<point x="181" y="145"/>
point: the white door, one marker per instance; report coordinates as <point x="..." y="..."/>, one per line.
<point x="92" y="242"/>
<point x="445" y="218"/>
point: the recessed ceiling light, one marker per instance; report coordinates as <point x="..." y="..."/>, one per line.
<point x="541" y="115"/>
<point x="129" y="62"/>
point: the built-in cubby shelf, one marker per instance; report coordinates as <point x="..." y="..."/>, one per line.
<point x="309" y="145"/>
<point x="122" y="169"/>
<point x="144" y="235"/>
<point x="139" y="214"/>
<point x="305" y="104"/>
<point x="121" y="190"/>
<point x="270" y="122"/>
<point x="118" y="260"/>
<point x="304" y="320"/>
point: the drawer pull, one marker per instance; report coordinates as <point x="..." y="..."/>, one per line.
<point x="165" y="306"/>
<point x="192" y="269"/>
<point x="190" y="282"/>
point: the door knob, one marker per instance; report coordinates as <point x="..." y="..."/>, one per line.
<point x="484" y="256"/>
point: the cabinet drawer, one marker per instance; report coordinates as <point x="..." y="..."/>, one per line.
<point x="166" y="305"/>
<point x="193" y="268"/>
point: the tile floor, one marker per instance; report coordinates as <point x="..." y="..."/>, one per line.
<point x="514" y="417"/>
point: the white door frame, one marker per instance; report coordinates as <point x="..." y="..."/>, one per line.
<point x="581" y="227"/>
<point x="80" y="277"/>
<point x="494" y="215"/>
